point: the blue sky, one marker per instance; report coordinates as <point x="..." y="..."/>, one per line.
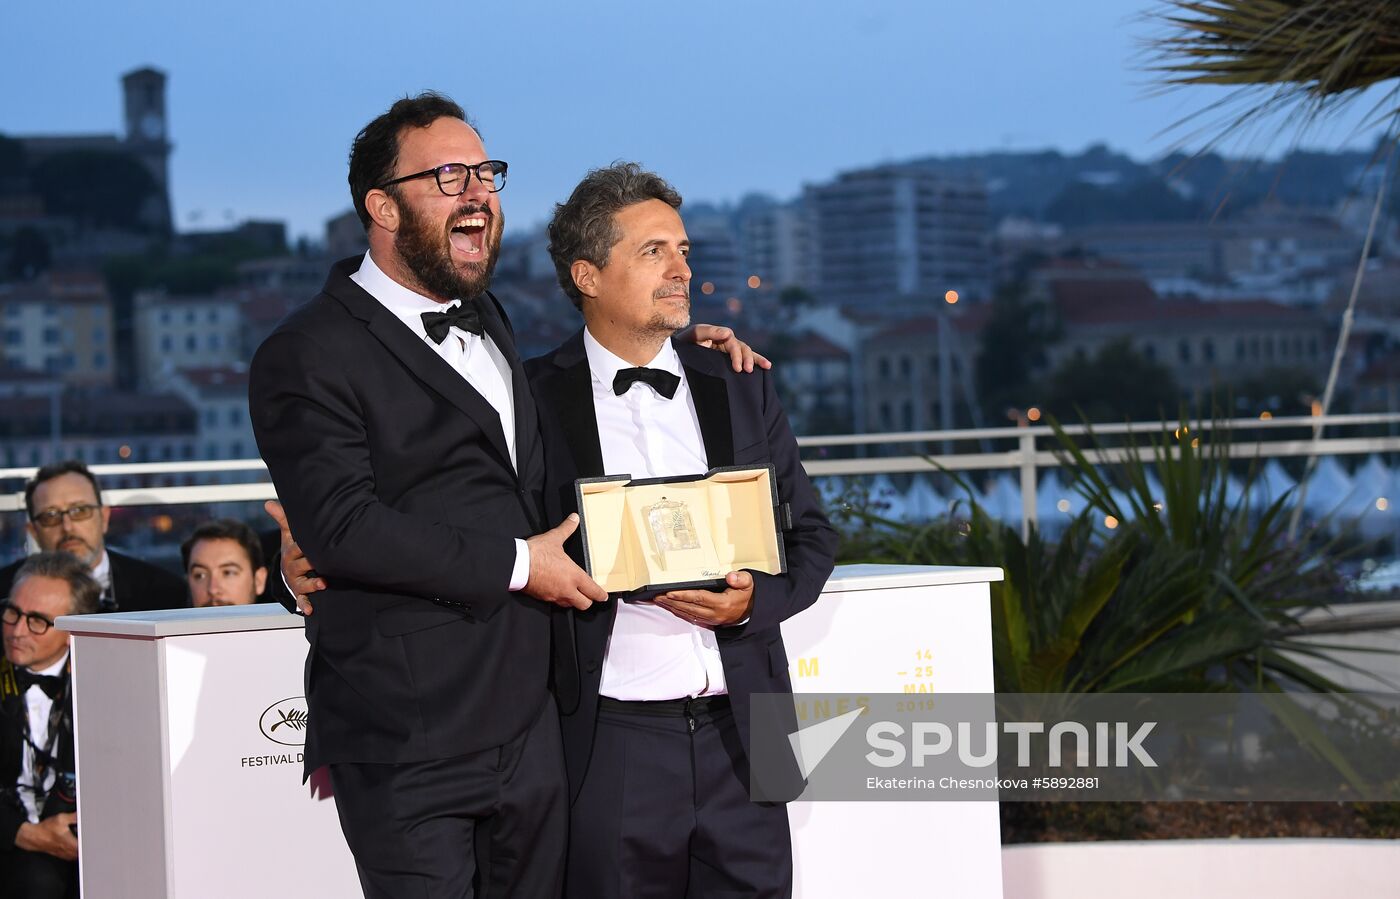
<point x="722" y="98"/>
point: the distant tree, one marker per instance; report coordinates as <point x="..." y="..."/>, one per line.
<point x="779" y="346"/>
<point x="14" y="164"/>
<point x="126" y="274"/>
<point x="1117" y="384"/>
<point x="1279" y="391"/>
<point x="96" y="187"/>
<point x="28" y="254"/>
<point x="794" y="297"/>
<point x="202" y="272"/>
<point x="1014" y="343"/>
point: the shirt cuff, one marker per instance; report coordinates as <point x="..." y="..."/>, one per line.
<point x="520" y="574"/>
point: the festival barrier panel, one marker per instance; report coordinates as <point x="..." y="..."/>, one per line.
<point x="895" y="629"/>
<point x="190" y="725"/>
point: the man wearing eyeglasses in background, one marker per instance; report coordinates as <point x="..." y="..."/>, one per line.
<point x="38" y="788"/>
<point x="66" y="514"/>
<point x="394" y="417"/>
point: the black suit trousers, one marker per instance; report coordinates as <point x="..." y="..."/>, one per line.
<point x="490" y="824"/>
<point x="664" y="813"/>
<point x="36" y="875"/>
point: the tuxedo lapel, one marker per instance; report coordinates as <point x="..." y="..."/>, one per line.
<point x="526" y="418"/>
<point x="441" y="377"/>
<point x="418" y="358"/>
<point x="570" y="393"/>
<point x="711" y="398"/>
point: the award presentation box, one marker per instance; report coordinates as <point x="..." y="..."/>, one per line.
<point x="642" y="538"/>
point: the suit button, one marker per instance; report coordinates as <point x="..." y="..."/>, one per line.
<point x="592" y="667"/>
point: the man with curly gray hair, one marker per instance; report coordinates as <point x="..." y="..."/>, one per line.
<point x="655" y="712"/>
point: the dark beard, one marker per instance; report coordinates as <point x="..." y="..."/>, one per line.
<point x="424" y="249"/>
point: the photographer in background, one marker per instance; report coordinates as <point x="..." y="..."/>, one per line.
<point x="38" y="785"/>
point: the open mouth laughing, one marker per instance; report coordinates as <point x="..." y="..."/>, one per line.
<point x="468" y="234"/>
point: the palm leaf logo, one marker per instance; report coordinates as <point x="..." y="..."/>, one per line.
<point x="295" y="719"/>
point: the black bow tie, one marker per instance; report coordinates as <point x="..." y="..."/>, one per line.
<point x="51" y="684"/>
<point x="465" y="316"/>
<point x="663" y="382"/>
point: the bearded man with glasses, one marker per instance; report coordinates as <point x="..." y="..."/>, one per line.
<point x="66" y="514"/>
<point x="38" y="785"/>
<point x="394" y="416"/>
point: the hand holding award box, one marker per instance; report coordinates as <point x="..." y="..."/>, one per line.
<point x="642" y="538"/>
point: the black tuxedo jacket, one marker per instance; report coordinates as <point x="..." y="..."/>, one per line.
<point x="396" y="480"/>
<point x="137" y="586"/>
<point x="741" y="422"/>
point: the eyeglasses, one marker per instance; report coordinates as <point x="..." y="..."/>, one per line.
<point x="52" y="518"/>
<point x="38" y="624"/>
<point x="454" y="177"/>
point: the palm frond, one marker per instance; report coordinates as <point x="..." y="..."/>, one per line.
<point x="1303" y="58"/>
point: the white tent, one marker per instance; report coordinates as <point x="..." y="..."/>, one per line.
<point x="1269" y="486"/>
<point x="1155" y="489"/>
<point x="829" y="489"/>
<point x="1055" y="502"/>
<point x="1122" y="500"/>
<point x="1328" y="487"/>
<point x="922" y="502"/>
<point x="1372" y="495"/>
<point x="885" y="500"/>
<point x="1002" y="499"/>
<point x="1234" y="491"/>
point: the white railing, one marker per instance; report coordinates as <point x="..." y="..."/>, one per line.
<point x="1035" y="448"/>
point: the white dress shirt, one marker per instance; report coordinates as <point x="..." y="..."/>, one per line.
<point x="474" y="356"/>
<point x="651" y="654"/>
<point x="39" y="706"/>
<point x="102" y="572"/>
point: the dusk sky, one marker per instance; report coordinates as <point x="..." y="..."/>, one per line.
<point x="722" y="98"/>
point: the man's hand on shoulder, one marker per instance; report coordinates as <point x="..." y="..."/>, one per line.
<point x="52" y="836"/>
<point x="554" y="577"/>
<point x="717" y="337"/>
<point x="297" y="572"/>
<point x="709" y="609"/>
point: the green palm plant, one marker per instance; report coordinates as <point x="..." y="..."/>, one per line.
<point x="1192" y="591"/>
<point x="1247" y="584"/>
<point x="1069" y="614"/>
